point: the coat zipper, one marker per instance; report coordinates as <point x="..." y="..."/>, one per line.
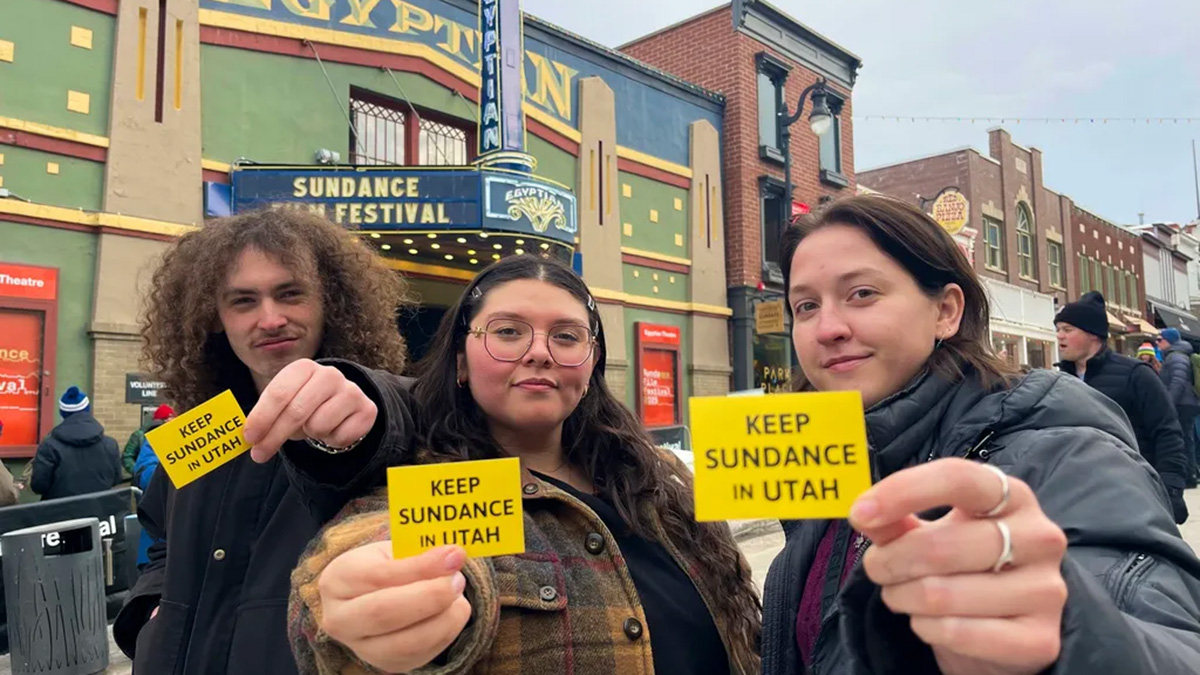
<point x="1132" y="572"/>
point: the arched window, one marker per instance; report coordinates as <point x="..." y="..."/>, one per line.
<point x="1026" y="248"/>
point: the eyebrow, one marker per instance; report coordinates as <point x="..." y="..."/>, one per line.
<point x="513" y="315"/>
<point x="235" y="292"/>
<point x="842" y="279"/>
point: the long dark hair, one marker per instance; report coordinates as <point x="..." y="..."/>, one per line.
<point x="600" y="436"/>
<point x="930" y="255"/>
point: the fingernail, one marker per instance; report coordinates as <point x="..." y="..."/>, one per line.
<point x="455" y="558"/>
<point x="864" y="511"/>
<point x="459" y="583"/>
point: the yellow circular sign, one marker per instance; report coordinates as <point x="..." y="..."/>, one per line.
<point x="951" y="210"/>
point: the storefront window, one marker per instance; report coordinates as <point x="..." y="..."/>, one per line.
<point x="21" y="340"/>
<point x="772" y="363"/>
<point x="1039" y="354"/>
<point x="1008" y="348"/>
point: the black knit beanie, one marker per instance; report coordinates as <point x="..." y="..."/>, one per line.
<point x="1086" y="314"/>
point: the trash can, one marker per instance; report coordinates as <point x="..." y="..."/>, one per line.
<point x="54" y="594"/>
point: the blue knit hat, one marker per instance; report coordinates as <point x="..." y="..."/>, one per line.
<point x="1170" y="335"/>
<point x="73" y="400"/>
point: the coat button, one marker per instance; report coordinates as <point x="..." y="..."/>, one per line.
<point x="633" y="629"/>
<point x="594" y="543"/>
<point x="548" y="593"/>
<point x="219" y="554"/>
<point x="530" y="488"/>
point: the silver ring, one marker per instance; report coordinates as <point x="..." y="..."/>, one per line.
<point x="1006" y="549"/>
<point x="1004" y="494"/>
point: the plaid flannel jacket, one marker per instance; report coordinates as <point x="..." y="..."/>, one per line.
<point x="517" y="628"/>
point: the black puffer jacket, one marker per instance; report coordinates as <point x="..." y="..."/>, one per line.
<point x="1135" y="387"/>
<point x="1177" y="375"/>
<point x="1133" y="583"/>
<point x="75" y="459"/>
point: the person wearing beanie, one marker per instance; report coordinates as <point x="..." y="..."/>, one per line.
<point x="1082" y="329"/>
<point x="133" y="446"/>
<point x="1146" y="353"/>
<point x="76" y="458"/>
<point x="1176" y="374"/>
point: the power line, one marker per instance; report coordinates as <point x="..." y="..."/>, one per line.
<point x="1031" y="120"/>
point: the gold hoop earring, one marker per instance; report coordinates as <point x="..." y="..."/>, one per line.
<point x="461" y="383"/>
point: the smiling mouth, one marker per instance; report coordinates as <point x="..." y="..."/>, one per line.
<point x="536" y="385"/>
<point x="842" y="364"/>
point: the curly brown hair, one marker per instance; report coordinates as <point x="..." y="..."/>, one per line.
<point x="183" y="344"/>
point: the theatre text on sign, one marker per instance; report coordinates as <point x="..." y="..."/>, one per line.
<point x="476" y="505"/>
<point x="785" y="456"/>
<point x="201" y="439"/>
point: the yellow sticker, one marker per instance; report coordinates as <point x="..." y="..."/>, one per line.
<point x="201" y="439"/>
<point x="476" y="505"/>
<point x="785" y="456"/>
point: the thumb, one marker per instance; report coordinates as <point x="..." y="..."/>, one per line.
<point x="371" y="567"/>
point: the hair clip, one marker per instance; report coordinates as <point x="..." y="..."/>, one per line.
<point x="476" y="294"/>
<point x="591" y="304"/>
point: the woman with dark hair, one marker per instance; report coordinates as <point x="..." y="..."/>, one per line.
<point x="617" y="576"/>
<point x="1013" y="526"/>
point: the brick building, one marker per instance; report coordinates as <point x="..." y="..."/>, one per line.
<point x="1167" y="256"/>
<point x="765" y="57"/>
<point x="1033" y="247"/>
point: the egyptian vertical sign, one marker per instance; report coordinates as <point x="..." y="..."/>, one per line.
<point x="501" y="120"/>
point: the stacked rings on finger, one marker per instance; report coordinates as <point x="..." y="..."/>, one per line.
<point x="1006" y="547"/>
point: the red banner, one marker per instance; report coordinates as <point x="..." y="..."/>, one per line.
<point x="658" y="387"/>
<point x="21" y="340"/>
<point x="31" y="283"/>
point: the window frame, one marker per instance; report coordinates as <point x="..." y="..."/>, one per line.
<point x="412" y="128"/>
<point x="833" y="176"/>
<point x="770" y="188"/>
<point x="1052" y="266"/>
<point x="999" y="248"/>
<point x="1028" y="237"/>
<point x="777" y="72"/>
<point x="1084" y="274"/>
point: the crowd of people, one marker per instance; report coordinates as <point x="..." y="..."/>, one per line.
<point x="1018" y="523"/>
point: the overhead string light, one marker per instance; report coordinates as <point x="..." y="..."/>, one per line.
<point x="1035" y="120"/>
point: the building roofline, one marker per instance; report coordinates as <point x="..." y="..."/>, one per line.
<point x="678" y="24"/>
<point x="932" y="155"/>
<point x="801" y="28"/>
<point x="623" y="59"/>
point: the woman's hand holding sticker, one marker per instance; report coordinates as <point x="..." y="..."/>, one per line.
<point x="982" y="584"/>
<point x="395" y="614"/>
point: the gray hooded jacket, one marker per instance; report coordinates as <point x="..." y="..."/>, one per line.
<point x="1133" y="584"/>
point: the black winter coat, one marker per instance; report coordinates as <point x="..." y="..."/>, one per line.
<point x="1135" y="387"/>
<point x="226" y="545"/>
<point x="1133" y="583"/>
<point x="75" y="459"/>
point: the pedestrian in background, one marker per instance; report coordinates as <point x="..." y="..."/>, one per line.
<point x="137" y="439"/>
<point x="76" y="458"/>
<point x="1147" y="354"/>
<point x="1178" y="376"/>
<point x="1012" y="526"/>
<point x="1083" y="344"/>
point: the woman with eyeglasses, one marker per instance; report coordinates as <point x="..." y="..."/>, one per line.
<point x="617" y="576"/>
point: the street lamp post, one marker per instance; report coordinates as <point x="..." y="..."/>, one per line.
<point x="820" y="121"/>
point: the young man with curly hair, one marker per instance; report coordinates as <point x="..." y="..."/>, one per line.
<point x="298" y="318"/>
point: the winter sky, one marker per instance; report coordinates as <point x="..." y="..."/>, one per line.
<point x="999" y="58"/>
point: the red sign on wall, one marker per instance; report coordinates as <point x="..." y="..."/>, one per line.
<point x="658" y="374"/>
<point x="21" y="341"/>
<point x="28" y="282"/>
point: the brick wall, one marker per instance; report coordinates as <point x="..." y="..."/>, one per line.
<point x="706" y="382"/>
<point x="1097" y="238"/>
<point x="114" y="356"/>
<point x="692" y="51"/>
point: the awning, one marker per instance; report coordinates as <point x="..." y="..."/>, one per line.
<point x="1140" y="326"/>
<point x="1177" y="318"/>
<point x="1114" y="322"/>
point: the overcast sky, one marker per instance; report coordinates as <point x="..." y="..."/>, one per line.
<point x="1031" y="58"/>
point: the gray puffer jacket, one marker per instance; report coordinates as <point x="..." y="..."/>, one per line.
<point x="1133" y="584"/>
<point x="1176" y="374"/>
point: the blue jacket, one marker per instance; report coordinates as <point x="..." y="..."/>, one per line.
<point x="143" y="471"/>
